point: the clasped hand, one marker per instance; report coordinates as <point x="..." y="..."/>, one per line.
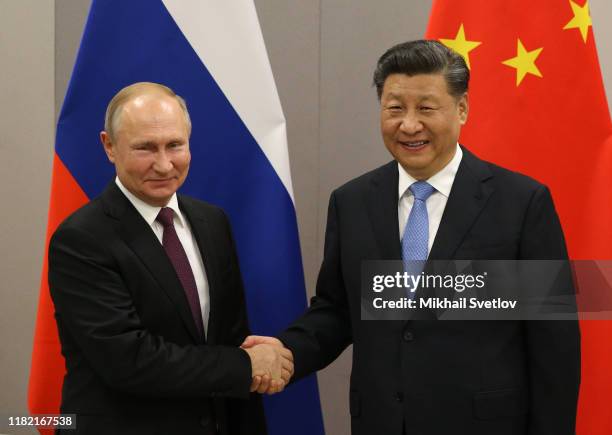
<point x="271" y="362"/>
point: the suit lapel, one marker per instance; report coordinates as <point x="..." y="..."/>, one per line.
<point x="467" y="199"/>
<point x="468" y="196"/>
<point x="139" y="236"/>
<point x="202" y="233"/>
<point x="382" y="198"/>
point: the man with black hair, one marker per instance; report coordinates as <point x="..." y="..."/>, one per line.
<point x="437" y="201"/>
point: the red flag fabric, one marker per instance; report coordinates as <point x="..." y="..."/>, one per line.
<point x="538" y="106"/>
<point x="47" y="369"/>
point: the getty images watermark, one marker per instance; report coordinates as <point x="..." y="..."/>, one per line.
<point x="486" y="290"/>
<point x="410" y="282"/>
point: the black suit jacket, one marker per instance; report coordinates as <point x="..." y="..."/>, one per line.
<point x="439" y="377"/>
<point x="135" y="363"/>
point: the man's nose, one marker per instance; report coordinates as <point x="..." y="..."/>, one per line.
<point x="411" y="124"/>
<point x="162" y="163"/>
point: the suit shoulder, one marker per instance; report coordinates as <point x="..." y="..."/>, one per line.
<point x="88" y="225"/>
<point x="499" y="176"/>
<point x="203" y="208"/>
<point x="190" y="201"/>
<point x="360" y="183"/>
<point x="513" y="179"/>
<point x="86" y="217"/>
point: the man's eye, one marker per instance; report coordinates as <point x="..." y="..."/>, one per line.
<point x="425" y="108"/>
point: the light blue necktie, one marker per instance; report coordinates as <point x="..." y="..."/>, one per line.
<point x="415" y="243"/>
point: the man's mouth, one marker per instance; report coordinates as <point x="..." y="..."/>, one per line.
<point x="414" y="144"/>
<point x="159" y="180"/>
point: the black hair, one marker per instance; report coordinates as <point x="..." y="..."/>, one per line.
<point x="423" y="57"/>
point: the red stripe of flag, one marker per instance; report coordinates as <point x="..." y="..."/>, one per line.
<point x="47" y="370"/>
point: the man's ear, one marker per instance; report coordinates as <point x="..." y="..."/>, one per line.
<point x="108" y="146"/>
<point x="464" y="108"/>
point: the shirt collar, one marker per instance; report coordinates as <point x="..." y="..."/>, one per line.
<point x="442" y="181"/>
<point x="147" y="211"/>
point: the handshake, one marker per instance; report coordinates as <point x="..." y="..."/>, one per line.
<point x="271" y="363"/>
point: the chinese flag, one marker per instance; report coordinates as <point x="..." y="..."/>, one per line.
<point x="538" y="106"/>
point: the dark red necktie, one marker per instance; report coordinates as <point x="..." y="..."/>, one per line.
<point x="178" y="258"/>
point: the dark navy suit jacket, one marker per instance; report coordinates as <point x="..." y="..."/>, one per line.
<point x="443" y="377"/>
<point x="135" y="363"/>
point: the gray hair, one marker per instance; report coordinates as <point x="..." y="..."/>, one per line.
<point x="114" y="108"/>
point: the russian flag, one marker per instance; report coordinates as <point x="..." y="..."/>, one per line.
<point x="212" y="53"/>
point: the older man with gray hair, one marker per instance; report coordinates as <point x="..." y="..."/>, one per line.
<point x="148" y="295"/>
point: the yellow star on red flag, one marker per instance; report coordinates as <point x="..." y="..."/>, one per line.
<point x="581" y="19"/>
<point x="461" y="45"/>
<point x="524" y="62"/>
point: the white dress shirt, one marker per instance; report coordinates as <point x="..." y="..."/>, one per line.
<point x="442" y="182"/>
<point x="185" y="235"/>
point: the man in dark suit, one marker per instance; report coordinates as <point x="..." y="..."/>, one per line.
<point x="148" y="294"/>
<point x="437" y="201"/>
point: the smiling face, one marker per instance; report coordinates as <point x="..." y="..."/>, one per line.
<point x="420" y="122"/>
<point x="150" y="149"/>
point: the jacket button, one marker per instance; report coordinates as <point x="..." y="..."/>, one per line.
<point x="408" y="336"/>
<point x="399" y="397"/>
